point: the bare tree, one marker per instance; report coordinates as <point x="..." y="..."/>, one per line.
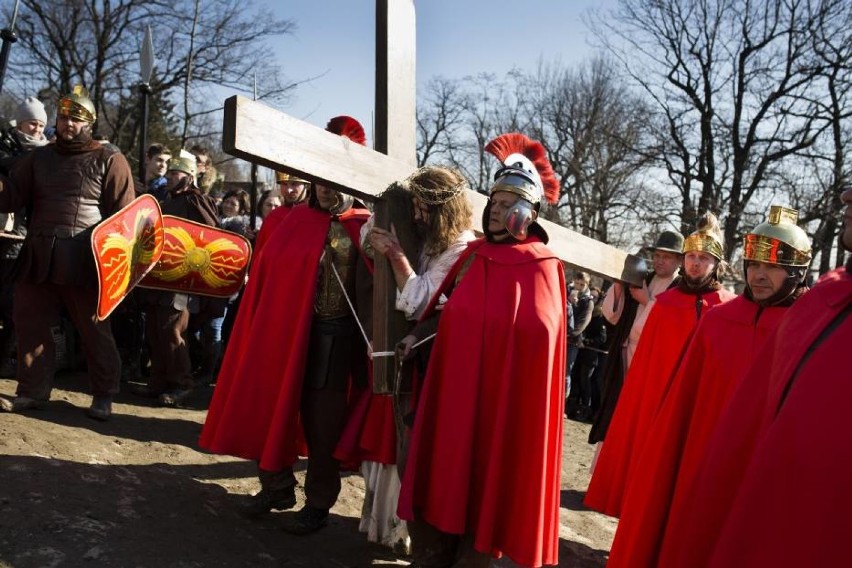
<point x="730" y="80"/>
<point x="456" y="119"/>
<point x="65" y="42"/>
<point x="832" y="39"/>
<point x="597" y="136"/>
<point x="594" y="129"/>
<point x="439" y="119"/>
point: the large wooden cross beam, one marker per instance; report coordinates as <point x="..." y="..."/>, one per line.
<point x="255" y="132"/>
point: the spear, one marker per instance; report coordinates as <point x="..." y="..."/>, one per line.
<point x="9" y="37"/>
<point x="146" y="68"/>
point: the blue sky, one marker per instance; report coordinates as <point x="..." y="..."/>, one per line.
<point x="335" y="39"/>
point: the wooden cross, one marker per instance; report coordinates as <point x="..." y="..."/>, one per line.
<point x="258" y="133"/>
<point x="262" y="135"/>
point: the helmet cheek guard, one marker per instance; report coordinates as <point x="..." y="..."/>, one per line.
<point x="519" y="218"/>
<point x="343" y="204"/>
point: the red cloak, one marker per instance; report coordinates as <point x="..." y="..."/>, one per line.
<point x="486" y="449"/>
<point x="254" y="413"/>
<point x="370" y="432"/>
<point x="720" y="352"/>
<point x="271" y="222"/>
<point x="773" y="487"/>
<point x="666" y="333"/>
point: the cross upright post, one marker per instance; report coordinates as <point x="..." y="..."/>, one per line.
<point x="396" y="136"/>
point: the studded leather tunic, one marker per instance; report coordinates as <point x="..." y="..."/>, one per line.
<point x="340" y="255"/>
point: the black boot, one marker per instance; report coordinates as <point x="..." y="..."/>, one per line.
<point x="305" y="521"/>
<point x="261" y="504"/>
<point x="101" y="408"/>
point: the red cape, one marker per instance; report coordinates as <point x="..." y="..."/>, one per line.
<point x="270" y="223"/>
<point x="669" y="326"/>
<point x="773" y="487"/>
<point x="370" y="432"/>
<point x="486" y="449"/>
<point x="254" y="413"/>
<point x="720" y="352"/>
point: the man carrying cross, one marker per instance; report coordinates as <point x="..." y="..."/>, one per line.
<point x="290" y="365"/>
<point x="430" y="222"/>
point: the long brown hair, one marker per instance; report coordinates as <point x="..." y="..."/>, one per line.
<point x="444" y="191"/>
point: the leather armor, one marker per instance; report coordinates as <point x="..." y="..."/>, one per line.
<point x="330" y="302"/>
<point x="66" y="203"/>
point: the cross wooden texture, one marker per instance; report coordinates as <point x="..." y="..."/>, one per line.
<point x="255" y="132"/>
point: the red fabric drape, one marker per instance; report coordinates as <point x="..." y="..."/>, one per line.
<point x="254" y="413"/>
<point x="773" y="487"/>
<point x="486" y="449"/>
<point x="666" y="333"/>
<point x="720" y="352"/>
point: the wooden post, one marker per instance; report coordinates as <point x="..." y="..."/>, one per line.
<point x="396" y="99"/>
<point x="395" y="136"/>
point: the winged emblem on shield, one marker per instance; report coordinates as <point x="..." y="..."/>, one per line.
<point x="199" y="259"/>
<point x="126" y="246"/>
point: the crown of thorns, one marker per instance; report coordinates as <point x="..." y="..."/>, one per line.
<point x="432" y="196"/>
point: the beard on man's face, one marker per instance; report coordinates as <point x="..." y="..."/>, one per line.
<point x="422" y="228"/>
<point x="84" y="134"/>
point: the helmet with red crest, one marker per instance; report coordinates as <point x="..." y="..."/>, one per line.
<point x="350" y="128"/>
<point x="527" y="173"/>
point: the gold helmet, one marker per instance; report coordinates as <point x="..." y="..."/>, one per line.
<point x="281" y="177"/>
<point x="77" y="104"/>
<point x="779" y="240"/>
<point x="707" y="238"/>
<point x="185" y="162"/>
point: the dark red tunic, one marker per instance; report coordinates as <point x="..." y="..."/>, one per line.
<point x="370" y="432"/>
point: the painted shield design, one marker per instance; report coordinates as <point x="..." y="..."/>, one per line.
<point x="199" y="259"/>
<point x="126" y="247"/>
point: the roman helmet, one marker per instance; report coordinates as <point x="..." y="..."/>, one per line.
<point x="281" y="177"/>
<point x="77" y="104"/>
<point x="347" y="127"/>
<point x="527" y="173"/>
<point x="779" y="241"/>
<point x="185" y="162"/>
<point x="707" y="238"/>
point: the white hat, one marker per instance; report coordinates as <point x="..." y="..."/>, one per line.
<point x="30" y="109"/>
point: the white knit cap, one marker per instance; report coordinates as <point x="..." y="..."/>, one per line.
<point x="30" y="109"/>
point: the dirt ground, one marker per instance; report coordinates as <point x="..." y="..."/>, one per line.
<point x="137" y="492"/>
